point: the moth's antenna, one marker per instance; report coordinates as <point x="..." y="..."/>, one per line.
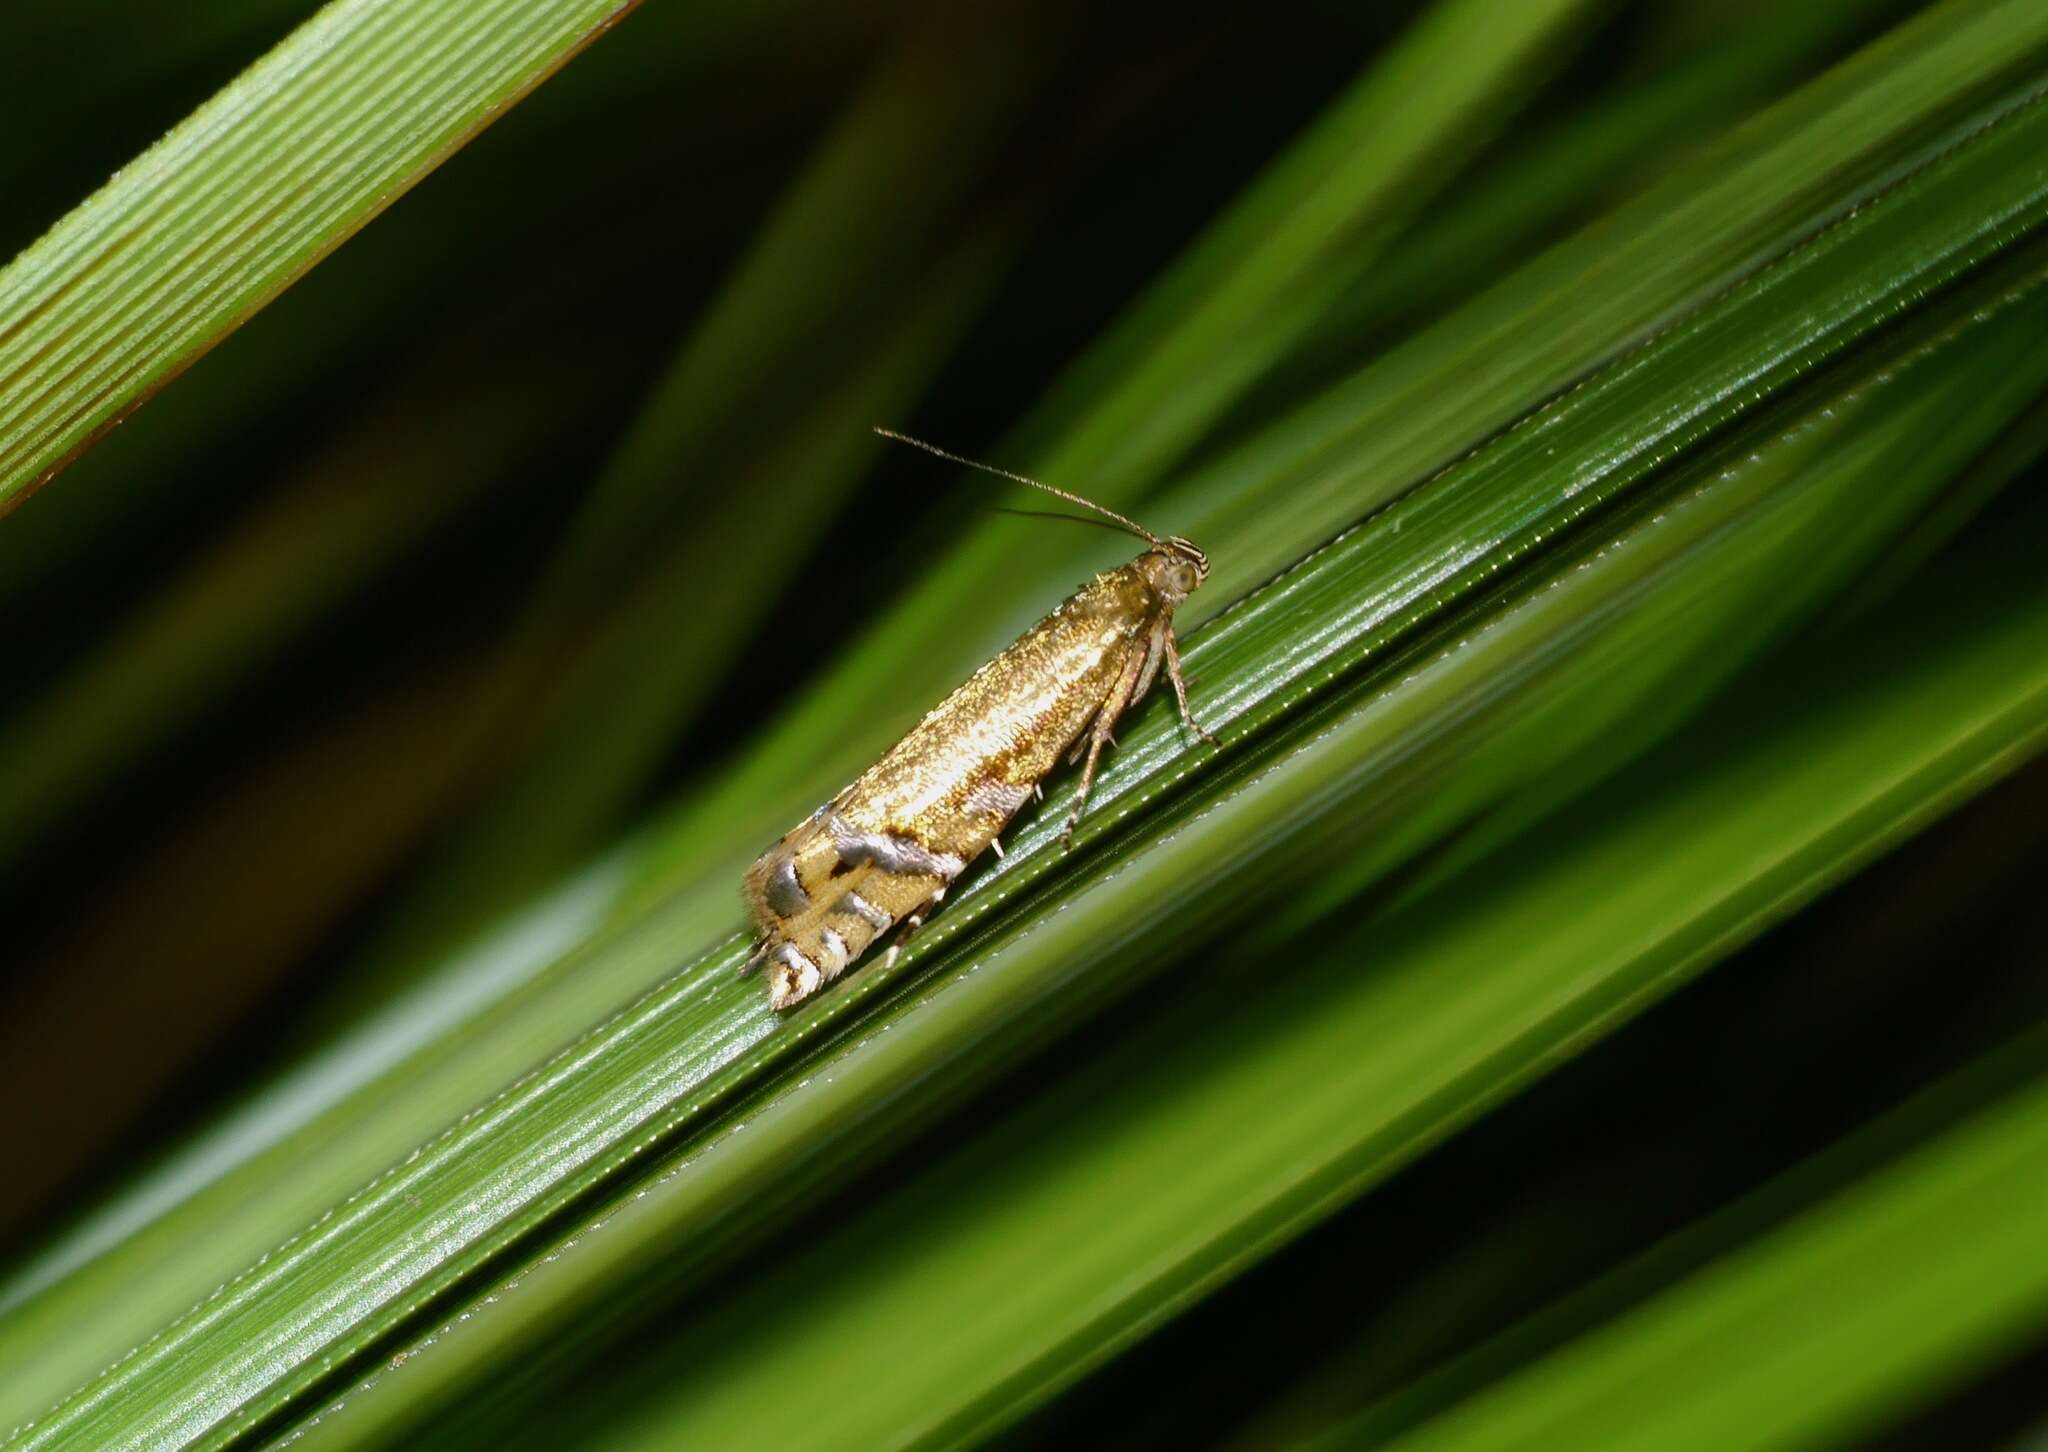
<point x="1130" y="524"/>
<point x="1056" y="514"/>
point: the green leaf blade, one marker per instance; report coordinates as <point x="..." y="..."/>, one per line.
<point x="245" y="196"/>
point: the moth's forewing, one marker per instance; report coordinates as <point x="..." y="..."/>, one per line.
<point x="889" y="845"/>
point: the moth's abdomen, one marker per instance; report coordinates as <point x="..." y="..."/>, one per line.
<point x="823" y="894"/>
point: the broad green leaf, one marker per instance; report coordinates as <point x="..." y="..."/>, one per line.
<point x="1253" y="1099"/>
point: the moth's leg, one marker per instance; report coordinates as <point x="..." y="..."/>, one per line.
<point x="755" y="958"/>
<point x="912" y="923"/>
<point x="1155" y="648"/>
<point x="1105" y="720"/>
<point x="1180" y="687"/>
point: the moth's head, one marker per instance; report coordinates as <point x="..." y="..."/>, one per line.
<point x="1175" y="568"/>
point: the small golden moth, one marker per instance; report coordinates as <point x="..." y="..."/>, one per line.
<point x="887" y="847"/>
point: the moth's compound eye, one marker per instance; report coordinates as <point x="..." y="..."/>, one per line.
<point x="1172" y="574"/>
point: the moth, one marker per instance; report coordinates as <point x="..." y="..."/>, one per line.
<point x="885" y="849"/>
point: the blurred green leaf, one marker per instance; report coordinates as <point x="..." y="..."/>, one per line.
<point x="610" y="675"/>
<point x="339" y="517"/>
<point x="1821" y="1327"/>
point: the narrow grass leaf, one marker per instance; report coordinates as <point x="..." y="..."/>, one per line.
<point x="244" y="196"/>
